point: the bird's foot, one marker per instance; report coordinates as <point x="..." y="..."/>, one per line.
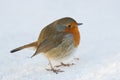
<point x="55" y="70"/>
<point x="65" y="65"/>
<point x="76" y="59"/>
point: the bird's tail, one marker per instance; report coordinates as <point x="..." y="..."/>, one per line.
<point x="33" y="44"/>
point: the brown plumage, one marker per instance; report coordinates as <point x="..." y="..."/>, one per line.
<point x="57" y="40"/>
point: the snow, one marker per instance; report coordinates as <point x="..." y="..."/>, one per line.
<point x="99" y="55"/>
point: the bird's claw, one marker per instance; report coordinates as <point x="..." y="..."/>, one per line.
<point x="63" y="64"/>
<point x="55" y="70"/>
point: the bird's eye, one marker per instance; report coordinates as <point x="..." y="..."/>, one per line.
<point x="69" y="26"/>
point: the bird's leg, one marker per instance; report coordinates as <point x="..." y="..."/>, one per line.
<point x="63" y="64"/>
<point x="52" y="68"/>
<point x="67" y="64"/>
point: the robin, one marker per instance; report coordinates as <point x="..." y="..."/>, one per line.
<point x="57" y="40"/>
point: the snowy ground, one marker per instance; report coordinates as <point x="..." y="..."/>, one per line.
<point x="99" y="52"/>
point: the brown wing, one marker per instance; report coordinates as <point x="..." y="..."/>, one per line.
<point x="48" y="39"/>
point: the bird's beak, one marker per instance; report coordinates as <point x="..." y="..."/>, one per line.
<point x="80" y="24"/>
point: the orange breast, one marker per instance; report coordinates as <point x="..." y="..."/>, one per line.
<point x="74" y="30"/>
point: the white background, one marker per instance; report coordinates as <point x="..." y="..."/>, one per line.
<point x="22" y="20"/>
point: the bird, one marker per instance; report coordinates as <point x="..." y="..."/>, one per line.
<point x="57" y="40"/>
